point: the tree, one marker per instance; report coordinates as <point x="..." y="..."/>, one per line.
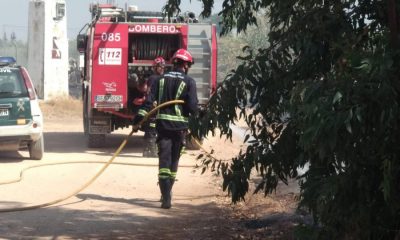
<point x="227" y="55"/>
<point x="230" y="45"/>
<point x="324" y="91"/>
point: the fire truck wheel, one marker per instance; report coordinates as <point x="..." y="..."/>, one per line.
<point x="96" y="140"/>
<point x="191" y="143"/>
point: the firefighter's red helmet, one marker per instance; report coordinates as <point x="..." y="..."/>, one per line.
<point x="184" y="55"/>
<point x="159" y="61"/>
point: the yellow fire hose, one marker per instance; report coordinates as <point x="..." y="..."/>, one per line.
<point x="116" y="153"/>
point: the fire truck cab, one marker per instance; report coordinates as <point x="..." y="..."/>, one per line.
<point x="121" y="44"/>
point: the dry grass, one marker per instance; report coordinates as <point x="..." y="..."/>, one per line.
<point x="61" y="107"/>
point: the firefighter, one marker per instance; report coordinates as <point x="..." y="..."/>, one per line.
<point x="138" y="90"/>
<point x="158" y="70"/>
<point x="172" y="121"/>
<point x="150" y="134"/>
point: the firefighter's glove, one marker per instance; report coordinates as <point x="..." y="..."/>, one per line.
<point x="138" y="118"/>
<point x="135" y="123"/>
<point x="135" y="128"/>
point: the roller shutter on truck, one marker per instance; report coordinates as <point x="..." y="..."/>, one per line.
<point x="202" y="44"/>
<point x="149" y="41"/>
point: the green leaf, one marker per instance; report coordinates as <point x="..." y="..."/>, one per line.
<point x="338" y="96"/>
<point x="348" y="127"/>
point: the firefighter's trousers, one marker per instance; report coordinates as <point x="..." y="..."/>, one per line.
<point x="170" y="144"/>
<point x="150" y="137"/>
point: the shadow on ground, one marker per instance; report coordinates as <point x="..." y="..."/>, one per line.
<point x="183" y="221"/>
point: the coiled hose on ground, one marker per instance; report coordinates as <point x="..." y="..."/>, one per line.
<point x="105" y="166"/>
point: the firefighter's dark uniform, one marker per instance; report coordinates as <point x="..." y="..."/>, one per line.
<point x="150" y="134"/>
<point x="135" y="94"/>
<point x="171" y="122"/>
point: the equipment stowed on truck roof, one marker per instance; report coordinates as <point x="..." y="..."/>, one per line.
<point x="118" y="44"/>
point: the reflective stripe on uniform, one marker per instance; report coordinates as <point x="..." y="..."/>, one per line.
<point x="153" y="125"/>
<point x="178" y="116"/>
<point x="161" y="90"/>
<point x="178" y="94"/>
<point x="142" y="112"/>
<point x="172" y="118"/>
<point x="173" y="175"/>
<point x="164" y="173"/>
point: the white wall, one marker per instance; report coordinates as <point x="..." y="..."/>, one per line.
<point x="47" y="48"/>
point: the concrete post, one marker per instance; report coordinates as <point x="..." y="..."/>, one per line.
<point x="48" y="47"/>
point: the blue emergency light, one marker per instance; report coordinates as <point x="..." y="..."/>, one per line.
<point x="5" y="61"/>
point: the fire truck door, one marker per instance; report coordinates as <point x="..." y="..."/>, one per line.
<point x="110" y="66"/>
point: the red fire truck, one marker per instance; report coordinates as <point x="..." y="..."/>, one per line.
<point x="119" y="43"/>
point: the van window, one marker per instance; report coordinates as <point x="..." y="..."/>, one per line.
<point x="12" y="83"/>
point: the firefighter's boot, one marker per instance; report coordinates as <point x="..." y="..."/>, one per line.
<point x="151" y="148"/>
<point x="172" y="183"/>
<point x="165" y="188"/>
<point x="171" y="186"/>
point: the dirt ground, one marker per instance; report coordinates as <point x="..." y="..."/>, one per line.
<point x="123" y="203"/>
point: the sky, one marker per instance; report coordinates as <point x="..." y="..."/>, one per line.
<point x="14" y="17"/>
